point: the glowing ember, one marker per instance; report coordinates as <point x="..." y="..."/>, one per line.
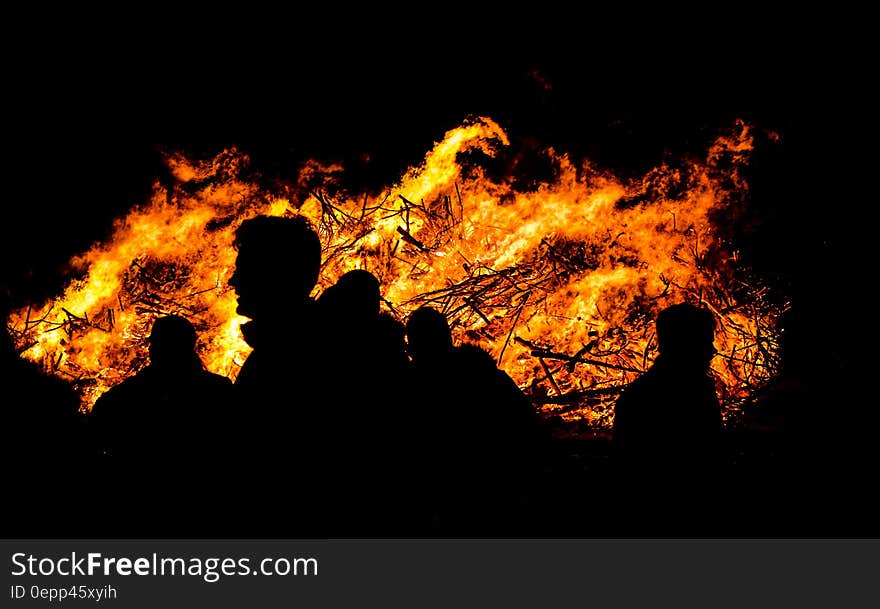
<point x="561" y="282"/>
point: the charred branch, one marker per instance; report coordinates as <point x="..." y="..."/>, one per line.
<point x="410" y="239"/>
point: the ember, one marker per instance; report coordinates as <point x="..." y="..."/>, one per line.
<point x="560" y="282"/>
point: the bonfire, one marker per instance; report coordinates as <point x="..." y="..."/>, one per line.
<point x="560" y="280"/>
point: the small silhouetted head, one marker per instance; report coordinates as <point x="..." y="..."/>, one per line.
<point x="355" y="295"/>
<point x="685" y="334"/>
<point x="428" y="335"/>
<point x="277" y="264"/>
<point x="172" y="342"/>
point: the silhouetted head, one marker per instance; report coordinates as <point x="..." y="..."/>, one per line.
<point x="172" y="343"/>
<point x="277" y="264"/>
<point x="685" y="335"/>
<point x="427" y="334"/>
<point x="355" y="295"/>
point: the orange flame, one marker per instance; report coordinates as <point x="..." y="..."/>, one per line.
<point x="561" y="282"/>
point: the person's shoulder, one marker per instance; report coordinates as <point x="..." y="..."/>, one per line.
<point x="131" y="384"/>
<point x="643" y="382"/>
<point x="637" y="390"/>
<point x="386" y="320"/>
<point x="474" y="357"/>
<point x="39" y="384"/>
<point x="123" y="392"/>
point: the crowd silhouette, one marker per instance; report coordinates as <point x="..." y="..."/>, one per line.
<point x="344" y="422"/>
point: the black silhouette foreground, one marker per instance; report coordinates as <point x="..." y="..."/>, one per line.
<point x="283" y="475"/>
<point x="482" y="437"/>
<point x="344" y="423"/>
<point x="667" y="430"/>
<point x="173" y="407"/>
<point x="668" y="421"/>
<point x="158" y="429"/>
<point x="368" y="431"/>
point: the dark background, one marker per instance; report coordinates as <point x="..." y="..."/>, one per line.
<point x="88" y="111"/>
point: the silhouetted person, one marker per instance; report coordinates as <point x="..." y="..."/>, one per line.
<point x="667" y="423"/>
<point x="173" y="405"/>
<point x="42" y="444"/>
<point x="356" y="293"/>
<point x="351" y="308"/>
<point x="280" y="388"/>
<point x="370" y="435"/>
<point x="482" y="435"/>
<point x="428" y="337"/>
<point x="164" y="428"/>
<point x="669" y="419"/>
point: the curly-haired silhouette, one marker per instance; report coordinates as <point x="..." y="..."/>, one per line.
<point x="428" y="337"/>
<point x="371" y="343"/>
<point x="482" y="434"/>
